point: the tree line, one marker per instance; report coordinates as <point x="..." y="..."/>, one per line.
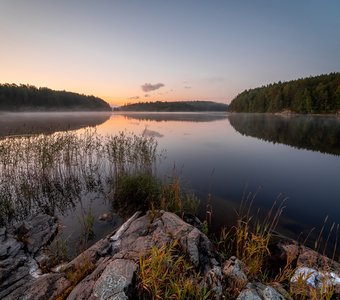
<point x="180" y="106"/>
<point x="30" y="98"/>
<point x="319" y="94"/>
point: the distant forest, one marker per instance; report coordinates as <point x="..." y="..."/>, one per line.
<point x="181" y="106"/>
<point x="29" y="98"/>
<point x="319" y="94"/>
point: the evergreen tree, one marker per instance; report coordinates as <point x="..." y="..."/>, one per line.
<point x="27" y="97"/>
<point x="319" y="94"/>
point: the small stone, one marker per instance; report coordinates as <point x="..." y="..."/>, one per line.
<point x="248" y="294"/>
<point x="213" y="280"/>
<point x="259" y="291"/>
<point x="108" y="217"/>
<point x="234" y="275"/>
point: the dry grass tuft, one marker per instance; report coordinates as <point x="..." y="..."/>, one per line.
<point x="165" y="273"/>
<point x="249" y="238"/>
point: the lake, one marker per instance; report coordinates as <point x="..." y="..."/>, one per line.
<point x="222" y="158"/>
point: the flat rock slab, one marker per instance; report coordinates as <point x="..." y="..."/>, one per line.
<point x="36" y="231"/>
<point x="18" y="247"/>
<point x="116" y="280"/>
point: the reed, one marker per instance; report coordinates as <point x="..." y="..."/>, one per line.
<point x="57" y="251"/>
<point x="143" y="191"/>
<point x="51" y="173"/>
<point x="86" y="220"/>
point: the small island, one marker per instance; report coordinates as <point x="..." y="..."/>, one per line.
<point x="312" y="95"/>
<point x="172" y="106"/>
<point x="30" y="98"/>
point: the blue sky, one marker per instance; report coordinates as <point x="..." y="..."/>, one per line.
<point x="185" y="50"/>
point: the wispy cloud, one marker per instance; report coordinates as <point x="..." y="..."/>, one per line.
<point x="148" y="87"/>
<point x="134" y="98"/>
<point x="146" y="95"/>
<point x="187" y="87"/>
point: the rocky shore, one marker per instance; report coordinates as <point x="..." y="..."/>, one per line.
<point x="109" y="269"/>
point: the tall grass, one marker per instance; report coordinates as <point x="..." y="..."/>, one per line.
<point x="51" y="173"/>
<point x="249" y="239"/>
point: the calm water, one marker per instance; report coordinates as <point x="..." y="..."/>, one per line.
<point x="225" y="156"/>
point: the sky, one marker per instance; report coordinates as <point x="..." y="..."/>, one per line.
<point x="168" y="50"/>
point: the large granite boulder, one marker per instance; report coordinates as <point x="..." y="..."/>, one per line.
<point x="116" y="271"/>
<point x="314" y="273"/>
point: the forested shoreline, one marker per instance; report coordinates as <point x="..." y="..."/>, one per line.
<point x="30" y="98"/>
<point x="319" y="94"/>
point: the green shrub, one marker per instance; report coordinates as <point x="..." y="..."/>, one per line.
<point x="136" y="190"/>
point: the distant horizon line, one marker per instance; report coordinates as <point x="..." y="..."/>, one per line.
<point x="113" y="103"/>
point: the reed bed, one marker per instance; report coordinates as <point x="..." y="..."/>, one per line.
<point x="51" y="173"/>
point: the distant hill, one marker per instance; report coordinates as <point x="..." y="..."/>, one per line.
<point x="29" y="98"/>
<point x="180" y="106"/>
<point x="319" y="94"/>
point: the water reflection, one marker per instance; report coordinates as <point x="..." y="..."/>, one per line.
<point x="179" y="117"/>
<point x="64" y="172"/>
<point x="198" y="143"/>
<point x="315" y="133"/>
<point x="34" y="123"/>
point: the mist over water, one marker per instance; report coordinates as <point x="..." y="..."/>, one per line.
<point x="47" y="122"/>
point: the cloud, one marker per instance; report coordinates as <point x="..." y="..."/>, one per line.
<point x="187" y="87"/>
<point x="134" y="98"/>
<point x="146" y="95"/>
<point x="148" y="87"/>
